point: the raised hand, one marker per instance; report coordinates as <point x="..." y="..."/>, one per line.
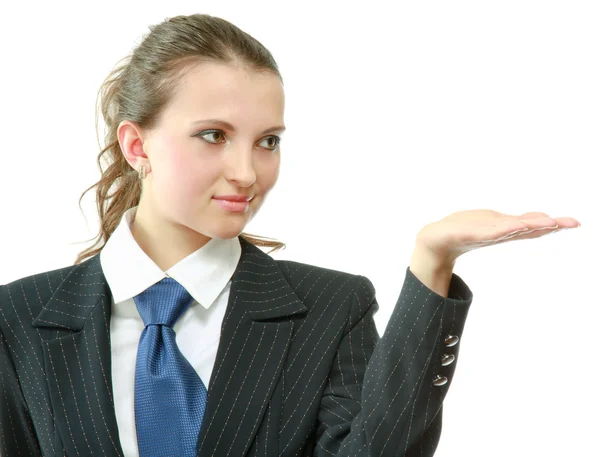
<point x="440" y="243"/>
<point x="464" y="231"/>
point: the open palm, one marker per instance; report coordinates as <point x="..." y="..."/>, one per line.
<point x="464" y="231"/>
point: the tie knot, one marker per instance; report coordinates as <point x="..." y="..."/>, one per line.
<point x="163" y="303"/>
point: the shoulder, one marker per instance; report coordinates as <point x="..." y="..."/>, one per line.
<point x="325" y="287"/>
<point x="299" y="272"/>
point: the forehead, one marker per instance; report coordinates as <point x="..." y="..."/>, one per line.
<point x="228" y="91"/>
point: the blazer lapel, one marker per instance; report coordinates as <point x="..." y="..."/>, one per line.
<point x="78" y="362"/>
<point x="255" y="336"/>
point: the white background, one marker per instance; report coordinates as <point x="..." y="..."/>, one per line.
<point x="398" y="114"/>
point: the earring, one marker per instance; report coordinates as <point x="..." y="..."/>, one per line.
<point x="142" y="172"/>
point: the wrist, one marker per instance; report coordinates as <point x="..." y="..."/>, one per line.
<point x="432" y="270"/>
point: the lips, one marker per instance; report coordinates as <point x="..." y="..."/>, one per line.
<point x="236" y="207"/>
<point x="233" y="198"/>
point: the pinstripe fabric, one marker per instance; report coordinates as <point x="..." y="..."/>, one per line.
<point x="300" y="369"/>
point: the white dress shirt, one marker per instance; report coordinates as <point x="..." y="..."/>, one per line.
<point x="205" y="273"/>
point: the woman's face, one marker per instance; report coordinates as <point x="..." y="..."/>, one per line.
<point x="218" y="136"/>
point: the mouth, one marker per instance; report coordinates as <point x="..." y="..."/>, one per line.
<point x="233" y="206"/>
<point x="233" y="198"/>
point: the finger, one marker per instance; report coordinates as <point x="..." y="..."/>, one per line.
<point x="567" y="222"/>
<point x="510" y="229"/>
<point x="514" y="237"/>
<point x="540" y="222"/>
<point x="536" y="233"/>
<point x="533" y="214"/>
<point x="535" y="225"/>
<point x="562" y="222"/>
<point x="530" y="234"/>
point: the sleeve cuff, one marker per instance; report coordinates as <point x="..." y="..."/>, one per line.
<point x="458" y="292"/>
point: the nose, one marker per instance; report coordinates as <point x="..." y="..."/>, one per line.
<point x="239" y="166"/>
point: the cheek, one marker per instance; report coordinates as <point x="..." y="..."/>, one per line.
<point x="182" y="175"/>
<point x="269" y="173"/>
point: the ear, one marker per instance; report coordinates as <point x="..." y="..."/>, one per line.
<point x="130" y="136"/>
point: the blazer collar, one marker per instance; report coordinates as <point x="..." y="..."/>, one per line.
<point x="258" y="326"/>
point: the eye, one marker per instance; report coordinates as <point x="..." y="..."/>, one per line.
<point x="205" y="133"/>
<point x="219" y="134"/>
<point x="275" y="140"/>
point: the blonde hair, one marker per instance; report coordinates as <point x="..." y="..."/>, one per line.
<point x="142" y="84"/>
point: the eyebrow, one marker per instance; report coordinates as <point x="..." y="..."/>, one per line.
<point x="279" y="128"/>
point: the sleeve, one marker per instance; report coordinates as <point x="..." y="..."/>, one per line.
<point x="16" y="430"/>
<point x="384" y="395"/>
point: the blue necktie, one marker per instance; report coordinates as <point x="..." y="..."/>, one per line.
<point x="169" y="397"/>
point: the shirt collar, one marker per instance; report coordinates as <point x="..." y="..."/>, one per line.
<point x="129" y="271"/>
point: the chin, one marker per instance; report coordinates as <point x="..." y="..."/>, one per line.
<point x="228" y="233"/>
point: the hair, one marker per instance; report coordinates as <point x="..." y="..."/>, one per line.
<point x="141" y="85"/>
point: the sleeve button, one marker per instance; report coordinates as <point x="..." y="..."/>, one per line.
<point x="448" y="359"/>
<point x="440" y="380"/>
<point x="451" y="340"/>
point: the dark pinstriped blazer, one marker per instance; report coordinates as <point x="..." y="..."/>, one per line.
<point x="300" y="369"/>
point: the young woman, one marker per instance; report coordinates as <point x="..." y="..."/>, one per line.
<point x="178" y="336"/>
